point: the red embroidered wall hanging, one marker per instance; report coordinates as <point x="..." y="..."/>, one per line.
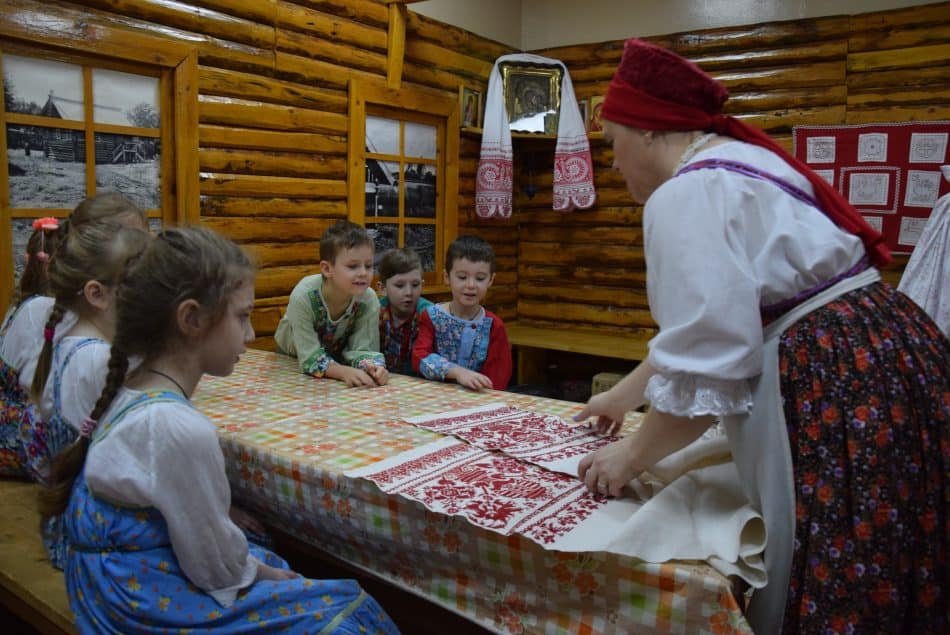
<point x="889" y="171"/>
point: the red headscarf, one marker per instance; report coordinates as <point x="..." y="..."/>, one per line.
<point x="656" y="89"/>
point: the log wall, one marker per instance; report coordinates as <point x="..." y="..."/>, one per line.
<point x="273" y="116"/>
<point x="875" y="67"/>
<point x="273" y="128"/>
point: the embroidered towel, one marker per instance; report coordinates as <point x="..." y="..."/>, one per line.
<point x="690" y="506"/>
<point x="573" y="169"/>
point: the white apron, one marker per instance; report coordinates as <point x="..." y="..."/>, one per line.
<point x="760" y="449"/>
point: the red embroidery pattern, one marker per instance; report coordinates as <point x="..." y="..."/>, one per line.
<point x="573" y="178"/>
<point x="492" y="491"/>
<point x="529" y="436"/>
<point x="493" y="186"/>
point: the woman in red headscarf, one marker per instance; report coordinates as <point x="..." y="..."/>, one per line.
<point x="832" y="388"/>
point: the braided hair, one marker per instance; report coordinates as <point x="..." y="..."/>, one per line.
<point x="98" y="250"/>
<point x="179" y="264"/>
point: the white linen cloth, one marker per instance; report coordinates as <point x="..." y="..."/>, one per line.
<point x="23" y="337"/>
<point x="926" y="278"/>
<point x="690" y="506"/>
<point x="166" y="455"/>
<point x="573" y="168"/>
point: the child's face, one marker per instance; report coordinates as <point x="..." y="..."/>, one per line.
<point x="352" y="271"/>
<point x="403" y="291"/>
<point x="469" y="281"/>
<point x="226" y="340"/>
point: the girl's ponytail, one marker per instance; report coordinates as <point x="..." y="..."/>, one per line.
<point x="45" y="360"/>
<point x="69" y="463"/>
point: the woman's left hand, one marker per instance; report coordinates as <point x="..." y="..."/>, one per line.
<point x="608" y="470"/>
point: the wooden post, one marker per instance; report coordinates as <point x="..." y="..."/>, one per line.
<point x="396" y="44"/>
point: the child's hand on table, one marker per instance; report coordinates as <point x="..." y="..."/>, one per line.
<point x="352" y="377"/>
<point x="379" y="374"/>
<point x="469" y="378"/>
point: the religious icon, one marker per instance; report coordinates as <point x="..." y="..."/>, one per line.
<point x="470" y="102"/>
<point x="532" y="97"/>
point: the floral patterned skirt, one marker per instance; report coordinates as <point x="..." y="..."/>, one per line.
<point x="866" y="393"/>
<point x="23" y="450"/>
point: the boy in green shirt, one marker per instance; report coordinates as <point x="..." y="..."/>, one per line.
<point x="332" y="319"/>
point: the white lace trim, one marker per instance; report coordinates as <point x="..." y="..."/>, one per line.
<point x="686" y="395"/>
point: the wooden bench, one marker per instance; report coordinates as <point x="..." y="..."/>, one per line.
<point x="30" y="588"/>
<point x="531" y="343"/>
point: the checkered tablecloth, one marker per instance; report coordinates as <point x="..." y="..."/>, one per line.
<point x="288" y="438"/>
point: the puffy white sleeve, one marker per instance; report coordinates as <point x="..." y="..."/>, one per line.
<point x="703" y="295"/>
<point x="174" y="463"/>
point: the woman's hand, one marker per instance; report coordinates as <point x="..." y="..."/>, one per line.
<point x="608" y="470"/>
<point x="267" y="572"/>
<point x="609" y="411"/>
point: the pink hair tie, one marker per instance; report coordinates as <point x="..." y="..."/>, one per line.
<point x="48" y="223"/>
<point x="42" y="256"/>
<point x="48" y="333"/>
<point x="87" y="427"/>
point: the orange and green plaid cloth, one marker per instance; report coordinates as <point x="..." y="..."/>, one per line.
<point x="288" y="438"/>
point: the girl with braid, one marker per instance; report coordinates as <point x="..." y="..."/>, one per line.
<point x="23" y="452"/>
<point x="71" y="372"/>
<point x="152" y="547"/>
<point x="20" y="342"/>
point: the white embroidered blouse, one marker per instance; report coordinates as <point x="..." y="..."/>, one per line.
<point x="718" y="245"/>
<point x="22" y="338"/>
<point x="166" y="455"/>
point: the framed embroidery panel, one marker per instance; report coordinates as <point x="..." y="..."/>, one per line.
<point x="889" y="171"/>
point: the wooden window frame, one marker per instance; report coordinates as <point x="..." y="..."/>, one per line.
<point x="371" y="97"/>
<point x="67" y="34"/>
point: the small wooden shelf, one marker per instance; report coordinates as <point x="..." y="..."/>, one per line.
<point x="477" y="132"/>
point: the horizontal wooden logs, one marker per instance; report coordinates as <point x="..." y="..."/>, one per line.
<point x="911" y="57"/>
<point x="217" y="184"/>
<point x="227" y="83"/>
<point x="272" y="163"/>
<point x="568" y="274"/>
<point x="246" y="138"/>
<point x="227" y="111"/>
<point x="276" y="254"/>
<point x="586" y="314"/>
<point x="632" y="297"/>
<point x="579" y="255"/>
<point x="264" y="229"/>
<point x="278" y="207"/>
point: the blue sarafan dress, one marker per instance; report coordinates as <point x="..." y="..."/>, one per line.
<point x="123" y="575"/>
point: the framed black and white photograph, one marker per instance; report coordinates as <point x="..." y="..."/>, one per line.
<point x="382" y="188"/>
<point x="48" y="164"/>
<point x="532" y="97"/>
